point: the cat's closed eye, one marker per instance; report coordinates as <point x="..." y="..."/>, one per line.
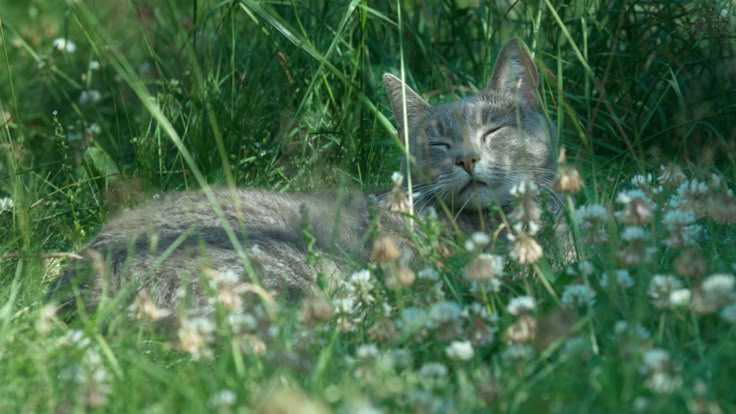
<point x="444" y="146"/>
<point x="489" y="134"/>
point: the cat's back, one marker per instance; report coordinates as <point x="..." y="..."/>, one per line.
<point x="337" y="223"/>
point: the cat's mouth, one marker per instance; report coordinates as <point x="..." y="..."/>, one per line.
<point x="474" y="184"/>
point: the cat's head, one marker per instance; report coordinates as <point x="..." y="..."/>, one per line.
<point x="469" y="153"/>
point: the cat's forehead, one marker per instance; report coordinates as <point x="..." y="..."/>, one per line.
<point x="481" y="108"/>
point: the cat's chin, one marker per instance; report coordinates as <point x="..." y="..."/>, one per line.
<point x="476" y="196"/>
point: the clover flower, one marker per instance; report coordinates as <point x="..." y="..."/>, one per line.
<point x="716" y="291"/>
<point x="637" y="209"/>
<point x="384" y="250"/>
<point x="691" y="195"/>
<point x="145" y="309"/>
<point x="636" y="250"/>
<point x="228" y="289"/>
<point x="682" y="231"/>
<point x="578" y="295"/>
<point x="728" y="313"/>
<point x="64" y="45"/>
<point x="680" y="298"/>
<point x="526" y="214"/>
<point x="195" y="335"/>
<point x="660" y="288"/>
<point x="398" y="200"/>
<point x="643" y="182"/>
<point x="460" y="350"/>
<point x="567" y="180"/>
<point x="660" y="371"/>
<point x="621" y="278"/>
<point x="521" y="305"/>
<point x="484" y="267"/>
<point x="6" y="204"/>
<point x="525" y="249"/>
<point x="360" y="284"/>
<point x="592" y="219"/>
<point x="671" y="175"/>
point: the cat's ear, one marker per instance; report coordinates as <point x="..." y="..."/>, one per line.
<point x="415" y="104"/>
<point x="516" y="73"/>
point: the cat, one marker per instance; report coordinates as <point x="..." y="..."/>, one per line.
<point x="466" y="155"/>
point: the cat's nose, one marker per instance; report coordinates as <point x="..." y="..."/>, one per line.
<point x="467" y="162"/>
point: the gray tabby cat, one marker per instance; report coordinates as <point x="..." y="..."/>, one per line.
<point x="466" y="156"/>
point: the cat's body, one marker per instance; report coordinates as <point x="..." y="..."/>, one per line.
<point x="466" y="156"/>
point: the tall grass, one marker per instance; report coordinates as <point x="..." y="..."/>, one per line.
<point x="170" y="95"/>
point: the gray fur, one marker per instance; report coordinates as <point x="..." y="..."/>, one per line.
<point x="467" y="155"/>
<point x="502" y="129"/>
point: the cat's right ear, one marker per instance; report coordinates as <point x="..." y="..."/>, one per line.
<point x="515" y="73"/>
<point x="415" y="104"/>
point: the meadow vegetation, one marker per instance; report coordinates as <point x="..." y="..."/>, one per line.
<point x="104" y="104"/>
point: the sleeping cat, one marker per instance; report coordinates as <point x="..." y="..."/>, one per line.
<point x="466" y="155"/>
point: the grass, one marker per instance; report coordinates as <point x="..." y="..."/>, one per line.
<point x="171" y="95"/>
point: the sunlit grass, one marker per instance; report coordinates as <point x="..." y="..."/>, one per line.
<point x="103" y="104"/>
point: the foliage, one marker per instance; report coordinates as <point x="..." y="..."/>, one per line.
<point x="103" y="104"/>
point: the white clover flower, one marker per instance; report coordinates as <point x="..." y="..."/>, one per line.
<point x="484" y="267"/>
<point x="360" y="284"/>
<point x="678" y="218"/>
<point x="524" y="187"/>
<point x="660" y="288"/>
<point x="637" y="330"/>
<point x="681" y="228"/>
<point x="397" y="178"/>
<point x="94" y="65"/>
<point x="90" y="97"/>
<point x="671" y="175"/>
<point x="344" y="306"/>
<point x="525" y="250"/>
<point x="521" y="305"/>
<point x="412" y="318"/>
<point x="655" y="359"/>
<point x="680" y="298"/>
<point x="663" y="383"/>
<point x="480" y="239"/>
<point x="366" y="351"/>
<point x="718" y="290"/>
<point x="517" y="352"/>
<point x="460" y="350"/>
<point x="144" y="308"/>
<point x="642" y="181"/>
<point x="592" y="219"/>
<point x="638" y="208"/>
<point x="195" y="334"/>
<point x="633" y="233"/>
<point x="691" y="195"/>
<point x="444" y="312"/>
<point x="635" y="251"/>
<point x="728" y="313"/>
<point x="222" y="399"/>
<point x="719" y="284"/>
<point x="6" y="204"/>
<point x="433" y="370"/>
<point x="622" y="278"/>
<point x="469" y="245"/>
<point x="578" y="295"/>
<point x="526" y="214"/>
<point x="93" y="129"/>
<point x="592" y="212"/>
<point x="64" y="45"/>
<point x="586" y="268"/>
<point x="428" y="274"/>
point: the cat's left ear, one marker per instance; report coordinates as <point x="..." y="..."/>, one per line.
<point x="516" y="73"/>
<point x="400" y="94"/>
